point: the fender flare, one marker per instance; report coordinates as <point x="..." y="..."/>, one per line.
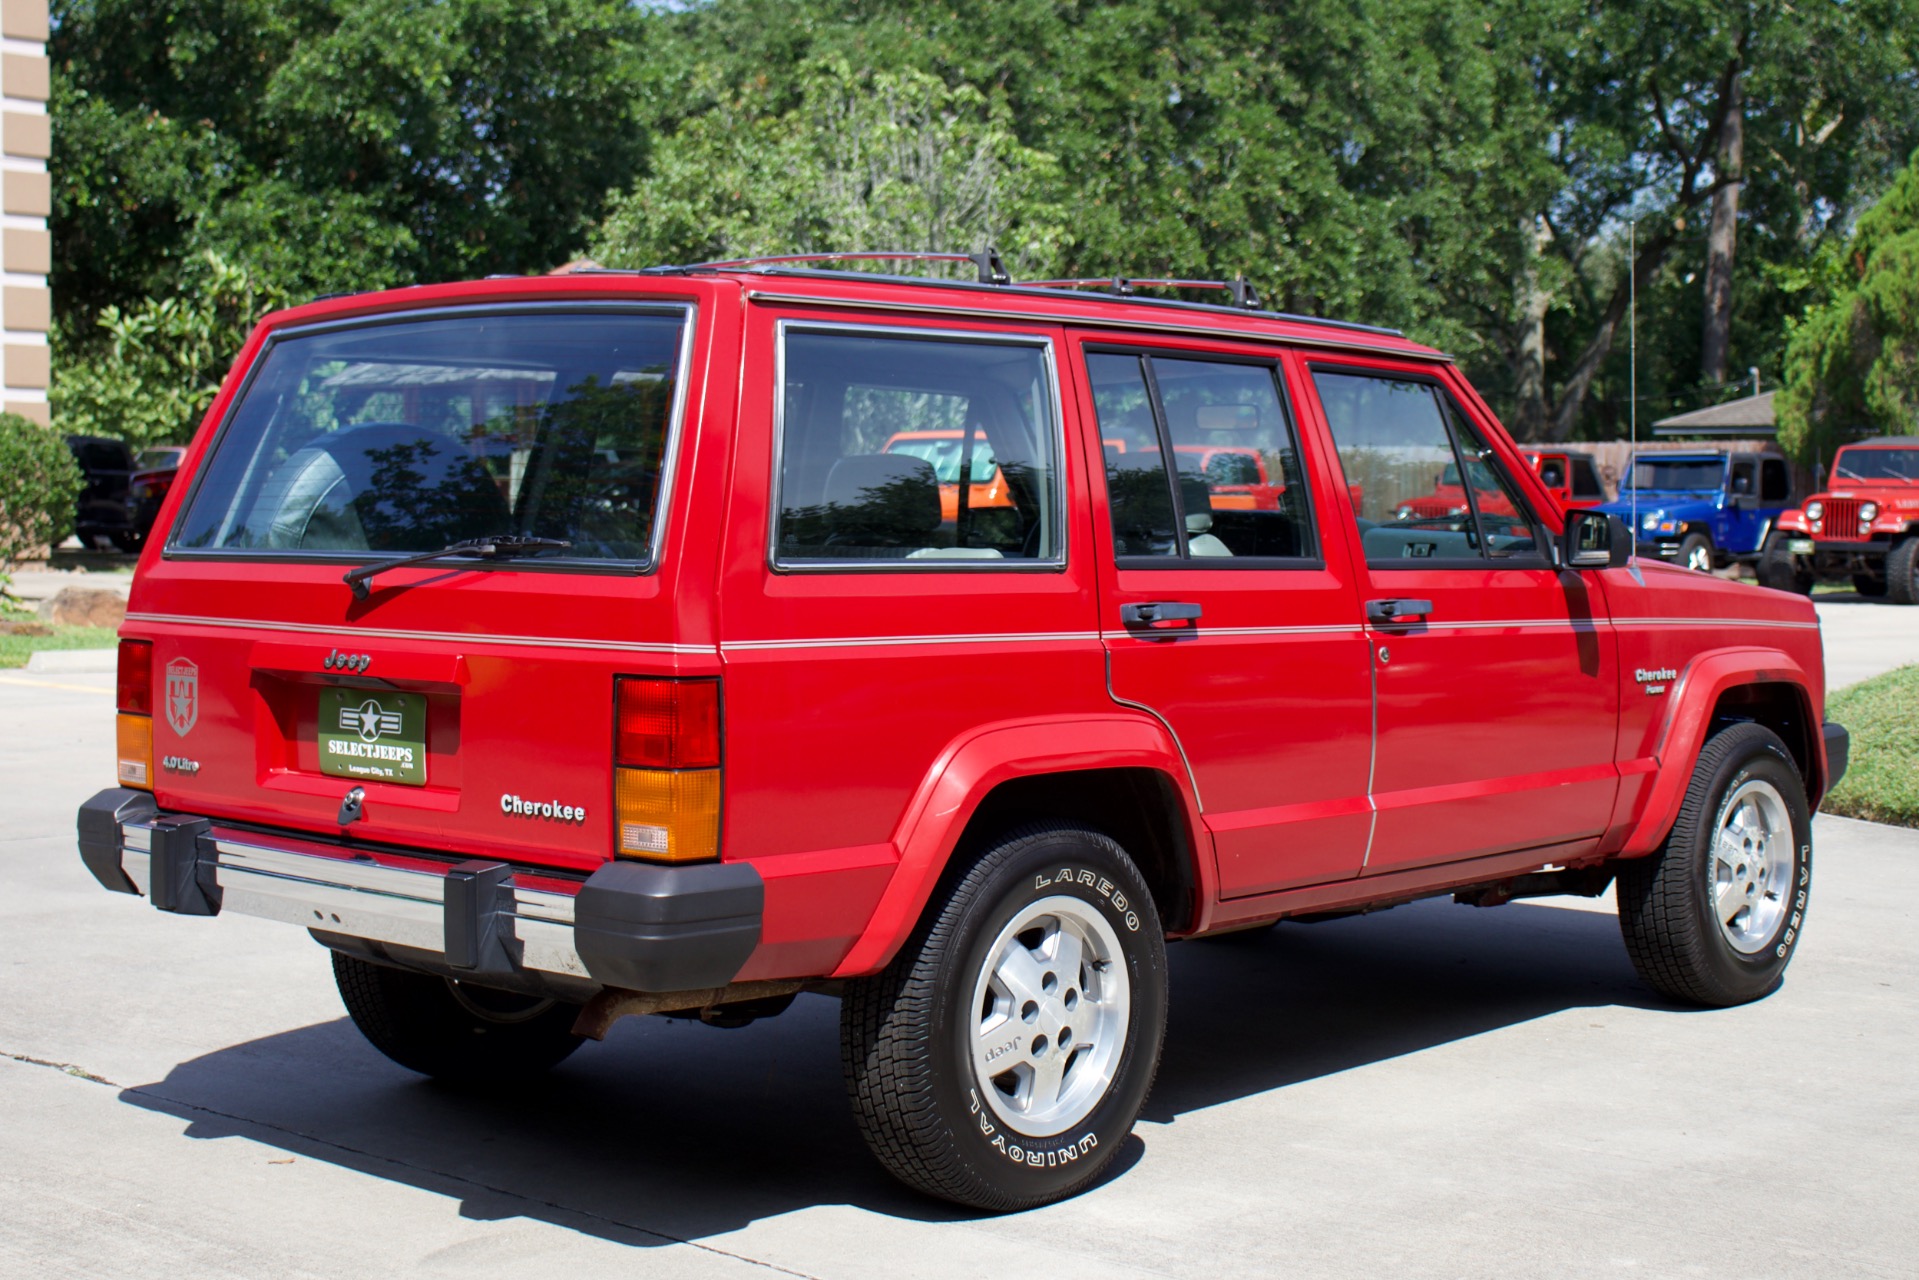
<point x="970" y="768"/>
<point x="1695" y="694"/>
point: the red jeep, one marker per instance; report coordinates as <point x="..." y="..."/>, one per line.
<point x="1865" y="525"/>
<point x="557" y="649"/>
<point x="1571" y="477"/>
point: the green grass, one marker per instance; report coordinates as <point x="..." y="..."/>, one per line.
<point x="15" y="650"/>
<point x="1882" y="780"/>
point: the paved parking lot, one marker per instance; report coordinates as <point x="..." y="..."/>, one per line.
<point x="1434" y="1090"/>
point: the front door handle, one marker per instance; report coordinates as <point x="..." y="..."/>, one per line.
<point x="1397" y="610"/>
<point x="1148" y="613"/>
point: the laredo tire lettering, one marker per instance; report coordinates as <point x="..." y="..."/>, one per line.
<point x="1098" y="884"/>
<point x="919" y="1076"/>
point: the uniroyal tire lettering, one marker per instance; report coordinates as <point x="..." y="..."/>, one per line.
<point x="1072" y="1151"/>
<point x="1098" y="884"/>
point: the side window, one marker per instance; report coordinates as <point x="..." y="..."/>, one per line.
<point x="1742" y="478"/>
<point x="1424" y="482"/>
<point x="1201" y="460"/>
<point x="1586" y="480"/>
<point x="1775" y="482"/>
<point x="904" y="449"/>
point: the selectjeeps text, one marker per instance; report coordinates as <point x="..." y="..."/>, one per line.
<point x="557" y="649"/>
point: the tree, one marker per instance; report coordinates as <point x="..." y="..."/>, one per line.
<point x="1854" y="362"/>
<point x="863" y="160"/>
<point x="327" y="147"/>
<point x="162" y="362"/>
<point x="1660" y="104"/>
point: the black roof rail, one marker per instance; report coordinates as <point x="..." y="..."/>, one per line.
<point x="1243" y="293"/>
<point x="991" y="271"/>
<point x="986" y="262"/>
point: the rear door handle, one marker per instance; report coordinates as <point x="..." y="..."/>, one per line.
<point x="1397" y="610"/>
<point x="1150" y="612"/>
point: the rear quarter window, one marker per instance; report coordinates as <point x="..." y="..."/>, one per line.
<point x="409" y="436"/>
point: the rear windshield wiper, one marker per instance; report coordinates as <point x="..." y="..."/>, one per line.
<point x="505" y="546"/>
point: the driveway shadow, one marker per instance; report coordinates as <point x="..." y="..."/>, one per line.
<point x="672" y="1131"/>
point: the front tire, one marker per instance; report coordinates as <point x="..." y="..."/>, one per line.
<point x="1002" y="1058"/>
<point x="1695" y="553"/>
<point x="1779" y="570"/>
<point x="1902" y="571"/>
<point x="1713" y="916"/>
<point x="454" y="1031"/>
<point x="1869" y="585"/>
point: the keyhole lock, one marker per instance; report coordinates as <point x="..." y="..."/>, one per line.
<point x="1385" y="655"/>
<point x="350" y="808"/>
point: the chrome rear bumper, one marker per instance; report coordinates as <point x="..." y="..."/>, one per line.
<point x="634" y="926"/>
<point x="390" y="901"/>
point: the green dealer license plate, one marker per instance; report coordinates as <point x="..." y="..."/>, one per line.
<point x="374" y="736"/>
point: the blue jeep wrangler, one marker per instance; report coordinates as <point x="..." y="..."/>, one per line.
<point x="1706" y="508"/>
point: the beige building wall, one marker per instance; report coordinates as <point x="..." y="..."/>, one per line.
<point x="26" y="198"/>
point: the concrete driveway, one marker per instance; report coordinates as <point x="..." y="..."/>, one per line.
<point x="1435" y="1090"/>
<point x="1865" y="637"/>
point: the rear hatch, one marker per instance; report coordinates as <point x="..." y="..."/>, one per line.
<point x="469" y="697"/>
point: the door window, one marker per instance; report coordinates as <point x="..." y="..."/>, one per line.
<point x="1233" y="493"/>
<point x="1586" y="481"/>
<point x="902" y="449"/>
<point x="1425" y="484"/>
<point x="1775" y="482"/>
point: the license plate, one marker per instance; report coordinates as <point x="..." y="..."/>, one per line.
<point x="372" y="735"/>
<point x="1801" y="546"/>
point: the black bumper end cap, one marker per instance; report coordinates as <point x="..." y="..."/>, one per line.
<point x="1838" y="747"/>
<point x="668" y="928"/>
<point x="100" y="821"/>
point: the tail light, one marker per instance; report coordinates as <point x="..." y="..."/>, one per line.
<point x="133" y="728"/>
<point x="666" y="775"/>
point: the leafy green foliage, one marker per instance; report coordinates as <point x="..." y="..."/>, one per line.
<point x="1882" y="778"/>
<point x="1463" y="169"/>
<point x="162" y="362"/>
<point x="1854" y="363"/>
<point x="893" y="159"/>
<point x="328" y="147"/>
<point x="39" y="481"/>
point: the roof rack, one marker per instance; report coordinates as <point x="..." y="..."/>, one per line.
<point x="992" y="273"/>
<point x="986" y="261"/>
<point x="1243" y="293"/>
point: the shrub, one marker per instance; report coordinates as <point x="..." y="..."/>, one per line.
<point x="39" y="481"/>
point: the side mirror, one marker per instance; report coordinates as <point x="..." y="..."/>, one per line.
<point x="1594" y="541"/>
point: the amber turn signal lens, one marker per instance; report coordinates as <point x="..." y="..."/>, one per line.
<point x="667" y="816"/>
<point x="133" y="743"/>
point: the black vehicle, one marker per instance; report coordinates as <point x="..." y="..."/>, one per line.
<point x="101" y="510"/>
<point x="154" y="471"/>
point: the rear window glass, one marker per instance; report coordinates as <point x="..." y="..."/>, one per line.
<point x="410" y="436"/>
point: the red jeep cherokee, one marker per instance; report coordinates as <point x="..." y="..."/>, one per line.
<point x="1866" y="525"/>
<point x="558" y="649"/>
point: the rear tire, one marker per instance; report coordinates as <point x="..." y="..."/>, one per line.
<point x="454" y="1031"/>
<point x="1779" y="570"/>
<point x="1695" y="553"/>
<point x="1713" y="916"/>
<point x="1902" y="571"/>
<point x="1001" y="1059"/>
